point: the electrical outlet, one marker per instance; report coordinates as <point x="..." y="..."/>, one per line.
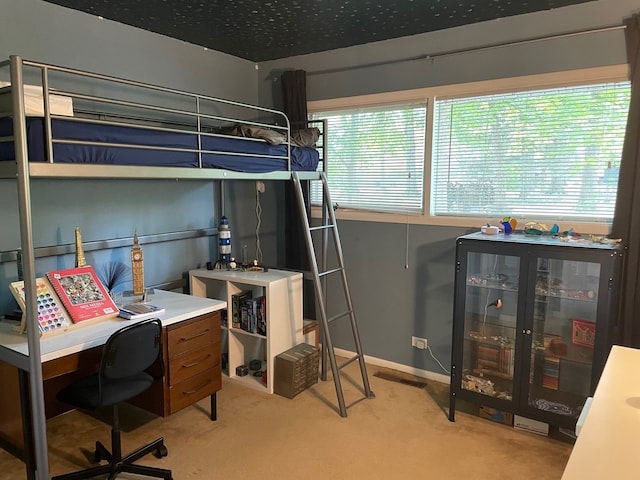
<point x="260" y="186"/>
<point x="419" y="342"/>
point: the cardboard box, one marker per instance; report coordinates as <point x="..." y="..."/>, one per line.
<point x="533" y="426"/>
<point x="496" y="415"/>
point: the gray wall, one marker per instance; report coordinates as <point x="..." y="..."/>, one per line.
<point x="413" y="62"/>
<point x="393" y="303"/>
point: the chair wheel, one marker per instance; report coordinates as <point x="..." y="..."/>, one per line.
<point x="161" y="451"/>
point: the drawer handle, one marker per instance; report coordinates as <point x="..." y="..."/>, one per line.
<point x="200" y="387"/>
<point x="184" y="339"/>
<point x="193" y="364"/>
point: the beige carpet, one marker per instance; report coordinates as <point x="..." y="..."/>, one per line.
<point x="403" y="433"/>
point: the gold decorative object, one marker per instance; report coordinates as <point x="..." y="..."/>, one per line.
<point x="80" y="260"/>
<point x="137" y="266"/>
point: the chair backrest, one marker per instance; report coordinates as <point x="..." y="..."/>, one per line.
<point x="131" y="349"/>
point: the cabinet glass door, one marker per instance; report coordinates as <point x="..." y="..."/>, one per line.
<point x="491" y="300"/>
<point x="563" y="334"/>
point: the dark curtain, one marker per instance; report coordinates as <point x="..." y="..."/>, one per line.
<point x="294" y="95"/>
<point x="626" y="223"/>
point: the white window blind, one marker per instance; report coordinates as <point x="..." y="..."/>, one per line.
<point x="551" y="153"/>
<point x="375" y="158"/>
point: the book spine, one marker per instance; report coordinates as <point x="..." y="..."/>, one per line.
<point x="262" y="316"/>
<point x="237" y="302"/>
<point x="235" y="311"/>
<point x="244" y="320"/>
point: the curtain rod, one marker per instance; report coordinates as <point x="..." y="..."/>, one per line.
<point x="460" y="51"/>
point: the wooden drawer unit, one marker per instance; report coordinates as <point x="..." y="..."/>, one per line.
<point x="191" y="356"/>
<point x="195" y="388"/>
<point x="193" y="363"/>
<point x="193" y="360"/>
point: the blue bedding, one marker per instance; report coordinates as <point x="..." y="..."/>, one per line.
<point x="234" y="157"/>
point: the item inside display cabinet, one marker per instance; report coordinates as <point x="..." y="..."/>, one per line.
<point x="492" y="280"/>
<point x="483" y="386"/>
<point x="555" y="288"/>
<point x="554" y="407"/>
<point x="584" y="332"/>
<point x="482" y="334"/>
<point x="540" y="355"/>
<point x="556" y="346"/>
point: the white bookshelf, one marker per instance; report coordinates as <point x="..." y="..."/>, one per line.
<point x="283" y="292"/>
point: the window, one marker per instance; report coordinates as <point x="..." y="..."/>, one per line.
<point x="376" y="157"/>
<point x="543" y="148"/>
<point x="551" y="153"/>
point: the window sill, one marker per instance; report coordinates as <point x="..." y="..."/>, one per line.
<point x="596" y="228"/>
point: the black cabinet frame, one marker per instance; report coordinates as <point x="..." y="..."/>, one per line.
<point x="528" y="361"/>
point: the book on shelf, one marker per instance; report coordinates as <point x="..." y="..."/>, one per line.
<point x="244" y="316"/>
<point x="507" y="361"/>
<point x="237" y="301"/>
<point x="82" y="294"/>
<point x="262" y="316"/>
<point x="51" y="313"/>
<point x="551" y="372"/>
<point x="139" y="311"/>
<point x="253" y="318"/>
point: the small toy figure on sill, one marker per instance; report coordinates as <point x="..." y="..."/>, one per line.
<point x="509" y="224"/>
<point x="137" y="266"/>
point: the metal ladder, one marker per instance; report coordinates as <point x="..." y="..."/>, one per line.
<point x="328" y="225"/>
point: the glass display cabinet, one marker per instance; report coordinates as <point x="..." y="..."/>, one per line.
<point x="533" y="323"/>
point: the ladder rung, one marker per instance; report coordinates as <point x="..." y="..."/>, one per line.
<point x="328" y="272"/>
<point x="349" y="361"/>
<point x="321" y="227"/>
<point x="340" y="315"/>
<point x="330" y="222"/>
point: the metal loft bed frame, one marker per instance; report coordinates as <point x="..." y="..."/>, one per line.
<point x="199" y="123"/>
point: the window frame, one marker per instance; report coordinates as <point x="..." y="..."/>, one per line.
<point x="613" y="73"/>
<point x="401" y="207"/>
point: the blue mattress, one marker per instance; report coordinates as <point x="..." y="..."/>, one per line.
<point x="240" y="154"/>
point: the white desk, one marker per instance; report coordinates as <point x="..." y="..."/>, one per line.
<point x="178" y="307"/>
<point x="609" y="441"/>
<point x="75" y="346"/>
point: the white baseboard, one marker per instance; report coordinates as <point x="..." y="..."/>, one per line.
<point x="436" y="377"/>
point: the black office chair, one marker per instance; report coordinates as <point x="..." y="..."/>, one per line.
<point x="121" y="376"/>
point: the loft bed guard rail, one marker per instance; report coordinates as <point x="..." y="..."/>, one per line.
<point x="84" y="124"/>
<point x="58" y="122"/>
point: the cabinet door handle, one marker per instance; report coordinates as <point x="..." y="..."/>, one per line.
<point x="199" y="387"/>
<point x="193" y="364"/>
<point x="184" y="339"/>
<point x="526" y="332"/>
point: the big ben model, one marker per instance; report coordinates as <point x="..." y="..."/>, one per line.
<point x="80" y="260"/>
<point x="137" y="266"/>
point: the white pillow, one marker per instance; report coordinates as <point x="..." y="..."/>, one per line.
<point x="34" y="106"/>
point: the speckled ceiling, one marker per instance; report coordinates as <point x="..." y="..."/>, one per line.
<point x="261" y="30"/>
